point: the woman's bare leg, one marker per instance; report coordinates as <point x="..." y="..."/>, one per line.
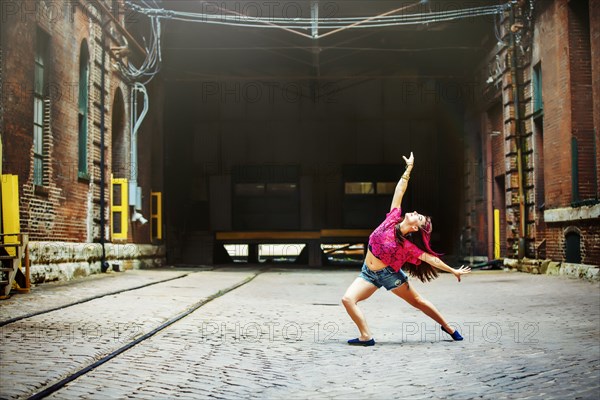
<point x="413" y="298"/>
<point x="359" y="290"/>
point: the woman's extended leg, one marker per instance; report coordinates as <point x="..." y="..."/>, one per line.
<point x="413" y="298"/>
<point x="359" y="290"/>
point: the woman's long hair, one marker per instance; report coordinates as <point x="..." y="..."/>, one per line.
<point x="424" y="272"/>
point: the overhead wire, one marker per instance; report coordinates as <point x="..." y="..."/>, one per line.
<point x="497" y="31"/>
<point x="340" y="20"/>
<point x="232" y="18"/>
<point x="151" y="64"/>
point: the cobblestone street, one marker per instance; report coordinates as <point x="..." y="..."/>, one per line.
<point x="283" y="335"/>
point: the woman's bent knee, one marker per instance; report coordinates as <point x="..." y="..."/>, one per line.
<point x="348" y="301"/>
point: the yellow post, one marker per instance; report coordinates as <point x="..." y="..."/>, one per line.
<point x="10" y="210"/>
<point x="496" y="233"/>
<point x="156" y="216"/>
<point x="1" y="211"/>
<point x="27" y="271"/>
<point x="1" y="162"/>
<point x="119" y="209"/>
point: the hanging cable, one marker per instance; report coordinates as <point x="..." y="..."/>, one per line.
<point x="327" y="24"/>
<point x="297" y="25"/>
<point x="151" y="64"/>
<point x="332" y="21"/>
<point x="497" y="30"/>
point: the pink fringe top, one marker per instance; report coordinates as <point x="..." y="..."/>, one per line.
<point x="387" y="248"/>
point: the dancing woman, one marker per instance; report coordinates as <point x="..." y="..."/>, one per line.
<point x="399" y="243"/>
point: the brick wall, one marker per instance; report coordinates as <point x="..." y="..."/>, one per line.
<point x="496" y="125"/>
<point x="590" y="241"/>
<point x="16" y="97"/>
<point x="594" y="13"/>
<point x="66" y="207"/>
<point x="553" y="48"/>
<point x="561" y="43"/>
<point x="581" y="97"/>
<point x="59" y="209"/>
<point x="120" y="136"/>
<point x="498" y="200"/>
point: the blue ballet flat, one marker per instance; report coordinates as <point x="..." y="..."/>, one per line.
<point x="456" y="336"/>
<point x="358" y="342"/>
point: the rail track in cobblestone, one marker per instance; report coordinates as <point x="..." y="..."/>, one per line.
<point x="239" y="346"/>
<point x="73" y="376"/>
<point x="87" y="299"/>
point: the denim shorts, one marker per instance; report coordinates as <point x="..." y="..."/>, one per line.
<point x="387" y="277"/>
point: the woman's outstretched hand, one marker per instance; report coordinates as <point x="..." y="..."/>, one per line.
<point x="410" y="160"/>
<point x="461" y="271"/>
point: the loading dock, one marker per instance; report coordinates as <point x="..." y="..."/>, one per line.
<point x="312" y="254"/>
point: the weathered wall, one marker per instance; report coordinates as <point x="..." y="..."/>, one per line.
<point x="66" y="209"/>
<point x="52" y="261"/>
<point x="565" y="47"/>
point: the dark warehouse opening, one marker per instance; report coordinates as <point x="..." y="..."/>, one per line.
<point x="266" y="129"/>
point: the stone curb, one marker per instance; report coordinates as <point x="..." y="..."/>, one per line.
<point x="64" y="261"/>
<point x="548" y="267"/>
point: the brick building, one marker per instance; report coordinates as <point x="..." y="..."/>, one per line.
<point x="533" y="140"/>
<point x="66" y="132"/>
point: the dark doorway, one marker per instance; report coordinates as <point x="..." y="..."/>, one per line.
<point x="573" y="247"/>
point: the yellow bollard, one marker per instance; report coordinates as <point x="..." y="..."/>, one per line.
<point x="496" y="234"/>
<point x="10" y="210"/>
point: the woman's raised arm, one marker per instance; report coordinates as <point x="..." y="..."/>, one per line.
<point x="403" y="182"/>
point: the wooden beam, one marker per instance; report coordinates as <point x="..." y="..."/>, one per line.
<point x="346" y="233"/>
<point x="268" y="235"/>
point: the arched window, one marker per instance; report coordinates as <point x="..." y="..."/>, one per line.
<point x="120" y="148"/>
<point x="84" y="60"/>
<point x="40" y="107"/>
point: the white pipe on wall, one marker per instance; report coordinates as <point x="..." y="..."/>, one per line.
<point x="135" y="192"/>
